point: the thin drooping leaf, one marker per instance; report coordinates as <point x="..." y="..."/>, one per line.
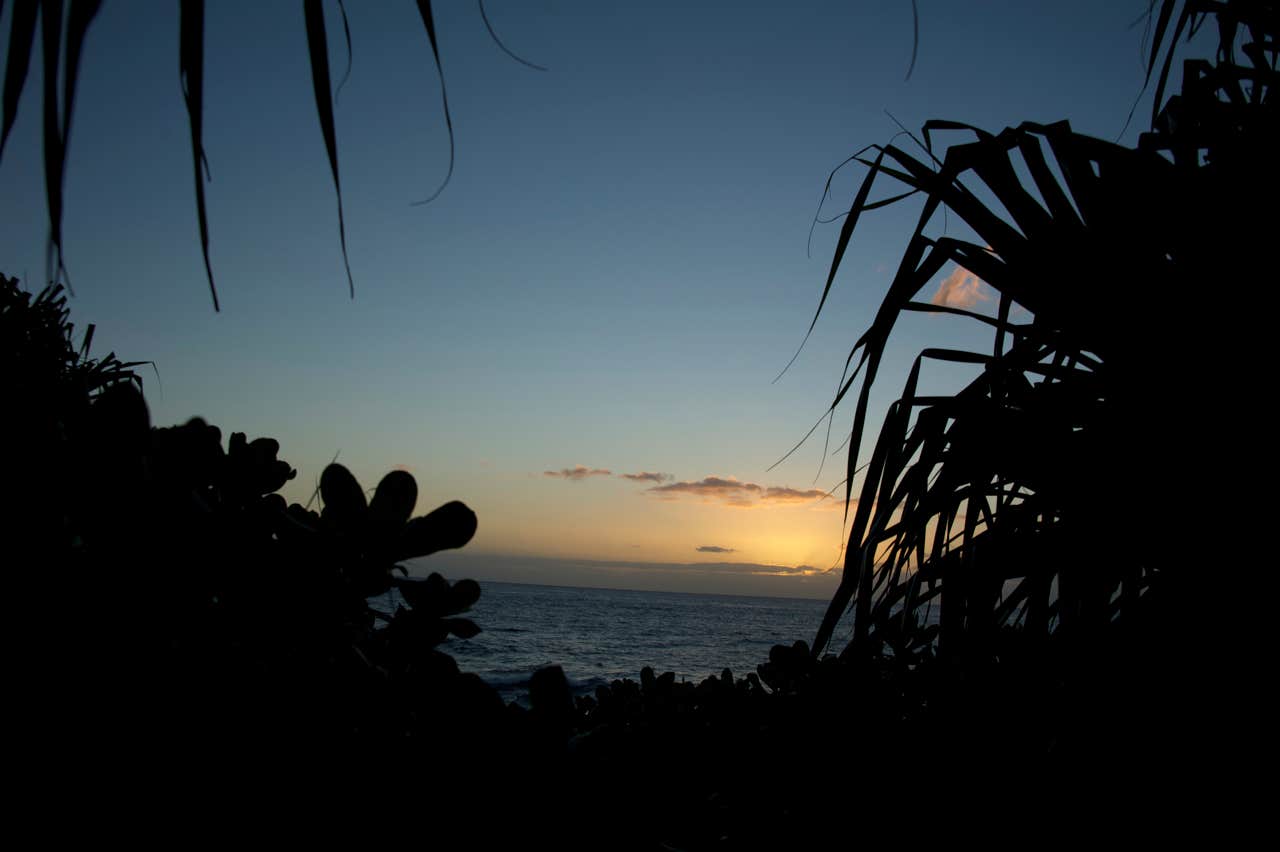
<point x="826" y="193"/>
<point x="915" y="39"/>
<point x="346" y="32"/>
<point x="318" y="46"/>
<point x="22" y="32"/>
<point x="1168" y="58"/>
<point x="191" y="72"/>
<point x="1162" y="24"/>
<point x="79" y="18"/>
<point x="842" y="243"/>
<point x="493" y="35"/>
<point x="51" y="35"/>
<point x="428" y="21"/>
<point x="57" y="129"/>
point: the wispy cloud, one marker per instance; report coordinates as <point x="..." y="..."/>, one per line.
<point x="714" y="548"/>
<point x="786" y="571"/>
<point x="577" y="473"/>
<point x="734" y="492"/>
<point x="758" y="570"/>
<point x="792" y="495"/>
<point x="646" y="476"/>
<point x="961" y="289"/>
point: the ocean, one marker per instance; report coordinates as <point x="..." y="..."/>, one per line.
<point x="600" y="635"/>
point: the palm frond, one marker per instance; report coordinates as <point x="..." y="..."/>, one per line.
<point x="1002" y="502"/>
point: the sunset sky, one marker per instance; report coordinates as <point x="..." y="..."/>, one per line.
<point x="578" y="337"/>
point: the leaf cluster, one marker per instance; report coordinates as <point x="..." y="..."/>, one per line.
<point x="1038" y="497"/>
<point x="170" y="573"/>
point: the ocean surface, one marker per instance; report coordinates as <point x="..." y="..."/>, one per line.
<point x="600" y="635"/>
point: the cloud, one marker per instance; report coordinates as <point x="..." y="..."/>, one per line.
<point x="712" y="548"/>
<point x="961" y="289"/>
<point x="707" y="569"/>
<point x="577" y="473"/>
<point x="752" y="569"/>
<point x="726" y="489"/>
<point x="646" y="476"/>
<point x="734" y="492"/>
<point x="791" y="495"/>
<point x="786" y="571"/>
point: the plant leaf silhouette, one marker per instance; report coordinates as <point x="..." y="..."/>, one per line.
<point x="346" y="34"/>
<point x="493" y="35"/>
<point x="991" y="501"/>
<point x="318" y="47"/>
<point x="191" y="70"/>
<point x="22" y="32"/>
<point x="424" y="9"/>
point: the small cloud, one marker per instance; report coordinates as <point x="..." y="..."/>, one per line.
<point x="961" y="289"/>
<point x="791" y="495"/>
<point x="577" y="473"/>
<point x="787" y="571"/>
<point x="712" y="548"/>
<point x="725" y="488"/>
<point x="734" y="492"/>
<point x="646" y="476"/>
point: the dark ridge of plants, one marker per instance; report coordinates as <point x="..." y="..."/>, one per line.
<point x="159" y="567"/>
<point x="174" y="616"/>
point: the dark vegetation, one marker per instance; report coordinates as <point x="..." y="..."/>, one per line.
<point x="1067" y="511"/>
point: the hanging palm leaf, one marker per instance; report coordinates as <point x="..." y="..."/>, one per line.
<point x="57" y="110"/>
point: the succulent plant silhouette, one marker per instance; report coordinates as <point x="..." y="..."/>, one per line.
<point x="378" y="534"/>
<point x="252" y="470"/>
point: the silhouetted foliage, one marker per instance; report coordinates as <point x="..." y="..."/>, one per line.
<point x="1050" y="531"/>
<point x="223" y="621"/>
<point x="1001" y="501"/>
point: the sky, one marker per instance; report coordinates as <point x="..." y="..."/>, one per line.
<point x="579" y="336"/>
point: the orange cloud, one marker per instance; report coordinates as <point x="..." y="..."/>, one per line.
<point x="961" y="289"/>
<point x="577" y="473"/>
<point x="646" y="476"/>
<point x="792" y="495"/>
<point x="734" y="492"/>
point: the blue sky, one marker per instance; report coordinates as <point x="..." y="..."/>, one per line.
<point x="612" y="279"/>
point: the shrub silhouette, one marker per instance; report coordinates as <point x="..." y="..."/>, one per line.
<point x="1011" y="480"/>
<point x="1040" y="507"/>
<point x="221" y="620"/>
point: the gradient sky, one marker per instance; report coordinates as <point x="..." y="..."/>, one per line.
<point x="610" y="282"/>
